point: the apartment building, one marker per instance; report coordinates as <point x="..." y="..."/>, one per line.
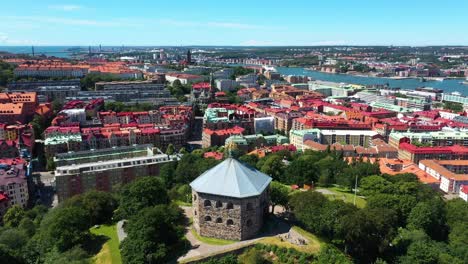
<point x="408" y="151"/>
<point x="105" y="175"/>
<point x="435" y="138"/>
<point x="17" y="107"/>
<point x="13" y="180"/>
<point x="183" y="78"/>
<point x="51" y="93"/>
<point x="361" y="138"/>
<point x="149" y="85"/>
<point x="50" y="71"/>
<point x="217" y="137"/>
<point x="249" y="143"/>
<point x="452" y="174"/>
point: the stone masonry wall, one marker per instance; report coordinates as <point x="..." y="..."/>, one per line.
<point x="227" y="217"/>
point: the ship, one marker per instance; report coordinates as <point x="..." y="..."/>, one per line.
<point x="269" y="68"/>
<point x="465" y="82"/>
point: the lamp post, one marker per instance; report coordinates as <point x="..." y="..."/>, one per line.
<point x="355" y="191"/>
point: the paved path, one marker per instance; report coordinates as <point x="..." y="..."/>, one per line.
<point x="200" y="249"/>
<point x="325" y="191"/>
<point x="120" y="231"/>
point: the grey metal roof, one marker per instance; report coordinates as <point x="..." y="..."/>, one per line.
<point x="233" y="179"/>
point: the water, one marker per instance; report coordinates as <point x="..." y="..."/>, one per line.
<point x="57" y="51"/>
<point x="449" y="85"/>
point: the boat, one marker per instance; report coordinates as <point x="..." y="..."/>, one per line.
<point x="439" y="79"/>
<point x="269" y="68"/>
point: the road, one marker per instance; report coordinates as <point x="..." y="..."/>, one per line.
<point x="45" y="188"/>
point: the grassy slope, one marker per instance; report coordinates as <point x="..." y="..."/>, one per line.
<point x="110" y="252"/>
<point x="344" y="195"/>
<point x="212" y="241"/>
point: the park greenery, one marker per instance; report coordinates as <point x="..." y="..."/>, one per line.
<point x="6" y="73"/>
<point x="89" y="81"/>
<point x="455" y="107"/>
<point x="179" y="90"/>
<point x="402" y="220"/>
<point x="122" y="107"/>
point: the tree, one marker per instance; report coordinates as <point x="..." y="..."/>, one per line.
<point x="65" y="227"/>
<point x="305" y="206"/>
<point x="406" y="237"/>
<point x="183" y="151"/>
<point x="39" y="125"/>
<point x="278" y="195"/>
<point x="76" y="255"/>
<point x="249" y="159"/>
<point x="56" y="106"/>
<point x="8" y="256"/>
<point x="13" y="216"/>
<point x="456" y="107"/>
<point x="170" y="149"/>
<point x="373" y="184"/>
<point x="422" y="252"/>
<point x="51" y="166"/>
<point x="167" y="173"/>
<point x="13" y="238"/>
<point x="27" y="227"/>
<point x="301" y="171"/>
<point x="89" y="81"/>
<point x="181" y="193"/>
<point x="273" y="166"/>
<point x="430" y="217"/>
<point x="330" y="255"/>
<point x="186" y="168"/>
<point x="401" y="204"/>
<point x="153" y="234"/>
<point x="458" y="239"/>
<point x="142" y="193"/>
<point x="100" y="206"/>
<point x="368" y="233"/>
<point x="457" y="211"/>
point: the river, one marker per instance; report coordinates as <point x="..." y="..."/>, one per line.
<point x="448" y="85"/>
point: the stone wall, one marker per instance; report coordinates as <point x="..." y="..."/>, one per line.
<point x="227" y="217"/>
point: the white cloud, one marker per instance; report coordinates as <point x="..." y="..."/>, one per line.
<point x="66" y="7"/>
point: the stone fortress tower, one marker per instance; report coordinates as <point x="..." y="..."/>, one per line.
<point x="230" y="201"/>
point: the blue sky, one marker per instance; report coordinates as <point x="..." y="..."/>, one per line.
<point x="238" y="22"/>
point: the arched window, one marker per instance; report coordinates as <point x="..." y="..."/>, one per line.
<point x="249" y="206"/>
<point x="207" y="218"/>
<point x="207" y="203"/>
<point x="219" y="220"/>
<point x="249" y="222"/>
<point x="195" y="212"/>
<point x="229" y="222"/>
<point x="194" y="197"/>
<point x="229" y="205"/>
<point x="219" y="204"/>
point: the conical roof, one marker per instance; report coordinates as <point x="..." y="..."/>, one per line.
<point x="231" y="178"/>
